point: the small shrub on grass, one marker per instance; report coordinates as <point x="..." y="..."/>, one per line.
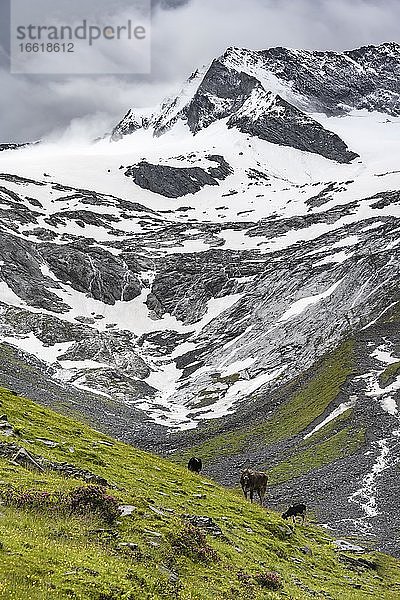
<point x="92" y="498"/>
<point x="269" y="580"/>
<point x="192" y="542"/>
<point x="81" y="500"/>
<point x="31" y="499"/>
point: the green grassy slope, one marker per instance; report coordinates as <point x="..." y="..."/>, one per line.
<point x="309" y="398"/>
<point x="52" y="553"/>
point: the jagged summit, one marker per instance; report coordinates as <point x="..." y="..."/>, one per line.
<point x="307" y="82"/>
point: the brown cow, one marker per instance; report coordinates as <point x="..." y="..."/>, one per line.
<point x="254" y="481"/>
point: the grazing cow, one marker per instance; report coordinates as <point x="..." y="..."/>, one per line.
<point x="296" y="510"/>
<point x="254" y="481"/>
<point x="195" y="465"/>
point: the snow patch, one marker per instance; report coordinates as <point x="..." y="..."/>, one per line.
<point x="215" y="307"/>
<point x="338" y="257"/>
<point x="239" y="365"/>
<point x="366" y="495"/>
<point x="301" y="305"/>
<point x="333" y="415"/>
<point x="32" y="345"/>
<point x="9" y="297"/>
<point x="236" y="392"/>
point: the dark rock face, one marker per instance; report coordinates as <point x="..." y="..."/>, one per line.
<point x="174" y="182"/>
<point x="96" y="272"/>
<point x="113" y="347"/>
<point x="382" y="98"/>
<point x="231" y="87"/>
<point x="162" y="343"/>
<point x="16" y="212"/>
<point x="385" y="199"/>
<point x="325" y="195"/>
<point x="223" y="170"/>
<point x="218" y="94"/>
<point x="226" y="92"/>
<point x="196" y="282"/>
<point x="281" y="123"/>
<point x="20" y="180"/>
<point x="33" y="379"/>
<point x="21" y="272"/>
<point x="171" y="182"/>
<point x="12" y="146"/>
<point x="362" y="78"/>
<point x="45" y="327"/>
<point x="120" y="381"/>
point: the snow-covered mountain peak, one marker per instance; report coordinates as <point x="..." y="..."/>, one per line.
<point x="311" y="82"/>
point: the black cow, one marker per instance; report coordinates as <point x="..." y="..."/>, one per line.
<point x="195" y="465"/>
<point x="296" y="510"/>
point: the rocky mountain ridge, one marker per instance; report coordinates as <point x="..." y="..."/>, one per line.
<point x="257" y="82"/>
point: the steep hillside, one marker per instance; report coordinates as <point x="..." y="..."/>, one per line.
<point x="330" y="435"/>
<point x="49" y="549"/>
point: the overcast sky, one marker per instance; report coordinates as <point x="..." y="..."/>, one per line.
<point x="185" y="34"/>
